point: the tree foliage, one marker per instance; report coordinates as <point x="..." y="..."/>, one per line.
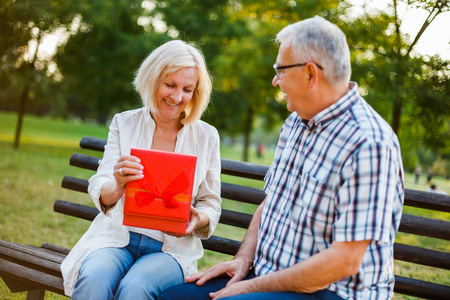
<point x="238" y="40"/>
<point x="24" y="73"/>
<point x="99" y="60"/>
<point x="409" y="90"/>
<point x="107" y="40"/>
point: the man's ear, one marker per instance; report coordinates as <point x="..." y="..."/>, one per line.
<point x="313" y="74"/>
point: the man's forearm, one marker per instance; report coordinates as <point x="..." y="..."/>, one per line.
<point x="317" y="272"/>
<point x="248" y="246"/>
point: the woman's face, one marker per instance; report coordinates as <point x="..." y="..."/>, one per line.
<point x="175" y="92"/>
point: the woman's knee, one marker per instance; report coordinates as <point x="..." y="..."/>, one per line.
<point x="100" y="274"/>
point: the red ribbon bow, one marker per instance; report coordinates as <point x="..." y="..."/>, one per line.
<point x="177" y="186"/>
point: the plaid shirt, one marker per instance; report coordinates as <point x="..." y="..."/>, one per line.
<point x="337" y="178"/>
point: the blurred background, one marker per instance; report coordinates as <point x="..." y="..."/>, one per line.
<point x="75" y="60"/>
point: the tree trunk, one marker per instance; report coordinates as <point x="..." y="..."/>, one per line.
<point x="247" y="131"/>
<point x="26" y="93"/>
<point x="397" y="105"/>
<point x="396" y="114"/>
<point x="23" y="101"/>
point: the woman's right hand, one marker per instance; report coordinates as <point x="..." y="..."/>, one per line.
<point x="128" y="168"/>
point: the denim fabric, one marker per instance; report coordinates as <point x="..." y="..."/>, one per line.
<point x="193" y="292"/>
<point x="138" y="271"/>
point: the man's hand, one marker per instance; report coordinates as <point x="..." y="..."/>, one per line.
<point x="237" y="288"/>
<point x="237" y="269"/>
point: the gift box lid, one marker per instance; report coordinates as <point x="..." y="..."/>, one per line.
<point x="166" y="189"/>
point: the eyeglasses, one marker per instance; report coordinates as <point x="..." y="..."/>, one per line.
<point x="277" y="68"/>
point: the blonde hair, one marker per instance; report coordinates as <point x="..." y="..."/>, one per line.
<point x="168" y="58"/>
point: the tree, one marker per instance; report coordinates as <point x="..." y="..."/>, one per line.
<point x="100" y="57"/>
<point x="108" y="40"/>
<point x="23" y="26"/>
<point x="237" y="38"/>
<point x="409" y="90"/>
<point x="434" y="7"/>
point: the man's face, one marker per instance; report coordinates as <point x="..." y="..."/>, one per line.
<point x="293" y="82"/>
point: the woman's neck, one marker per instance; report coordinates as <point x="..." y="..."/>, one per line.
<point x="165" y="135"/>
<point x="165" y="124"/>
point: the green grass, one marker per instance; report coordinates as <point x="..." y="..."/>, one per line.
<point x="30" y="181"/>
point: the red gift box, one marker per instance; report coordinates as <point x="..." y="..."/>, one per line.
<point x="162" y="199"/>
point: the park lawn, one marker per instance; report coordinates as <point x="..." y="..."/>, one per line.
<point x="30" y="181"/>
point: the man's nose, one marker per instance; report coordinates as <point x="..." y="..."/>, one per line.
<point x="275" y="80"/>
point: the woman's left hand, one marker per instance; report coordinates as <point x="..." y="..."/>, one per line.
<point x="196" y="220"/>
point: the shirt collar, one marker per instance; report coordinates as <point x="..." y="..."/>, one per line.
<point x="341" y="106"/>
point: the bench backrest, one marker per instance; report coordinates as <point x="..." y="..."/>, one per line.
<point x="240" y="171"/>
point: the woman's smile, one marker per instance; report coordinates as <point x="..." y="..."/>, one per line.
<point x="171" y="104"/>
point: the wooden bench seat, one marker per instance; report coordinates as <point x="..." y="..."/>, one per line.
<point x="36" y="269"/>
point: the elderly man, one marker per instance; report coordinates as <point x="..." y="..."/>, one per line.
<point x="334" y="190"/>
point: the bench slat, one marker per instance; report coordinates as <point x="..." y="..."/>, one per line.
<point x="250" y="171"/>
<point x="30" y="278"/>
<point x="402" y="252"/>
<point x="427" y="200"/>
<point x="229" y="190"/>
<point x="419" y="288"/>
<point x="221" y="245"/>
<point x="85" y="161"/>
<point x="409" y="224"/>
<point x="404" y="285"/>
<point x="235" y="218"/>
<point x="93" y="143"/>
<point x="55" y="248"/>
<point x="413" y="198"/>
<point x="75" y="184"/>
<point x="243" y="169"/>
<point x="32" y="261"/>
<point x="75" y="210"/>
<point x="422" y="256"/>
<point x="89" y="213"/>
<point x="425" y="226"/>
<point x="33" y="251"/>
<point x="242" y="193"/>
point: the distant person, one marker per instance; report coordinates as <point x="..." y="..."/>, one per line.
<point x="114" y="261"/>
<point x="433" y="188"/>
<point x="334" y="192"/>
<point x="417" y="174"/>
<point x="429" y="175"/>
<point x="260" y="150"/>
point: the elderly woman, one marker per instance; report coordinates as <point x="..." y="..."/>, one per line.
<point x="112" y="260"/>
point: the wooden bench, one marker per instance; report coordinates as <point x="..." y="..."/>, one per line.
<point x="36" y="269"/>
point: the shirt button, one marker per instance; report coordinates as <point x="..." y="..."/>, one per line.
<point x="272" y="237"/>
<point x="167" y="249"/>
<point x="264" y="261"/>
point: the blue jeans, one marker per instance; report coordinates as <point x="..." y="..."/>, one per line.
<point x="138" y="271"/>
<point x="193" y="292"/>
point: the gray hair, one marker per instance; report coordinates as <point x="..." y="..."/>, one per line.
<point x="320" y="41"/>
<point x="168" y="58"/>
